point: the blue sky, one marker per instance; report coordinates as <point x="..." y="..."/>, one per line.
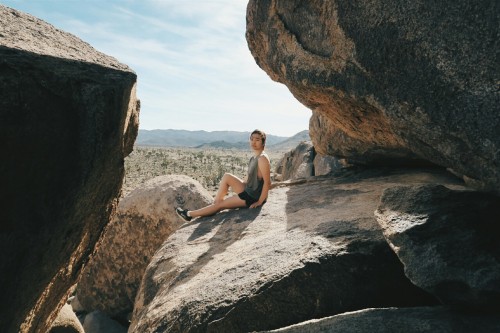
<point x="194" y="69"/>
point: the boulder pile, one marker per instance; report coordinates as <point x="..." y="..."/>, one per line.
<point x="315" y="249"/>
<point x="392" y="240"/>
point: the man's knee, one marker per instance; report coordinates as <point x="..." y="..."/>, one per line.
<point x="227" y="177"/>
<point x="219" y="205"/>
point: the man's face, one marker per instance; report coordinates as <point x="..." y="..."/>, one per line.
<point x="256" y="141"/>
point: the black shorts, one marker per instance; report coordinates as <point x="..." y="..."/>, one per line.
<point x="249" y="200"/>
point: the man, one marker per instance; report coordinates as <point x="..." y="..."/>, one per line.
<point x="252" y="192"/>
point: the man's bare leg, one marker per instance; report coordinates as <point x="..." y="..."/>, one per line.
<point x="229" y="203"/>
<point x="228" y="180"/>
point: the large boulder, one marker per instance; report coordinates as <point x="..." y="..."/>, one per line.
<point x="99" y="322"/>
<point x="313" y="250"/>
<point x="298" y="162"/>
<point x="303" y="162"/>
<point x="144" y="220"/>
<point x="326" y="164"/>
<point x="391" y="80"/>
<point x="397" y="320"/>
<point x="69" y="116"/>
<point x="447" y="240"/>
<point x="66" y="322"/>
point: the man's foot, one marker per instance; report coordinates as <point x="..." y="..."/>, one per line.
<point x="183" y="214"/>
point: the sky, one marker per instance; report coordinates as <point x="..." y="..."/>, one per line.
<point x="194" y="68"/>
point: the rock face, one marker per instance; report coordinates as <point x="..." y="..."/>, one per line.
<point x="298" y="162"/>
<point x="326" y="164"/>
<point x="303" y="162"/>
<point x="144" y="220"/>
<point x="98" y="322"/>
<point x="313" y="250"/>
<point x="447" y="240"/>
<point x="394" y="320"/>
<point x="389" y="80"/>
<point x="66" y="322"/>
<point x="330" y="141"/>
<point x="69" y="116"/>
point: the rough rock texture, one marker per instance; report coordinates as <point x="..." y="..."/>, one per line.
<point x="76" y="305"/>
<point x="66" y="322"/>
<point x="298" y="162"/>
<point x="68" y="117"/>
<point x="326" y="164"/>
<point x="390" y="79"/>
<point x="329" y="140"/>
<point x="302" y="162"/>
<point x="98" y="322"/>
<point x="447" y="240"/>
<point x="398" y="320"/>
<point x="313" y="250"/>
<point x="144" y="220"/>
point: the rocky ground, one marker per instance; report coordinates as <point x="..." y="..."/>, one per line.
<point x="321" y="246"/>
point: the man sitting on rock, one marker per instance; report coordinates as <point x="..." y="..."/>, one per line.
<point x="252" y="192"/>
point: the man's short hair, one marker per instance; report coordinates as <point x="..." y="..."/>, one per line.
<point x="262" y="135"/>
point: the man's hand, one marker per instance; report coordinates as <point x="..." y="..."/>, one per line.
<point x="256" y="204"/>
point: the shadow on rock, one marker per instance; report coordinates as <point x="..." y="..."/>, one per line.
<point x="230" y="224"/>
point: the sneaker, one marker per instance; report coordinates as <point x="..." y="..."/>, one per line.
<point x="183" y="214"/>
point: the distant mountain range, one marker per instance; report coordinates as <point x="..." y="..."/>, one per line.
<point x="216" y="139"/>
<point x="291" y="142"/>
